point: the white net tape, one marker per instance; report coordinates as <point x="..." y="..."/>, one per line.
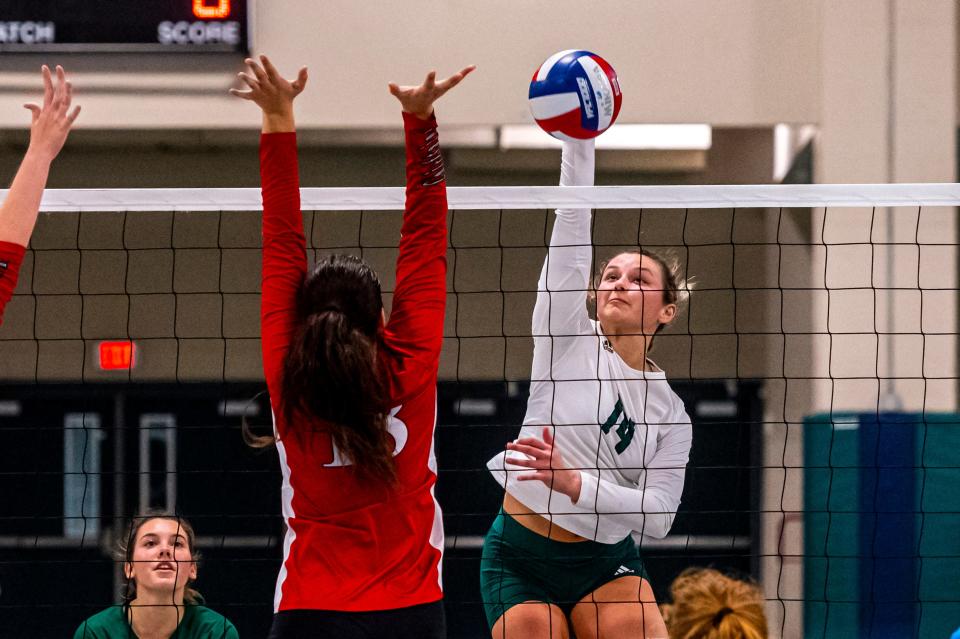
<point x="598" y="197"/>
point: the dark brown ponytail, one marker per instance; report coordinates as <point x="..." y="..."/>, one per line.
<point x="331" y="372"/>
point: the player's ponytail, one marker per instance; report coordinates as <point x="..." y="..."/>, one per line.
<point x="331" y="372"/>
<point x="710" y="605"/>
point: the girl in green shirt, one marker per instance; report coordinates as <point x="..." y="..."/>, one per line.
<point x="160" y="563"/>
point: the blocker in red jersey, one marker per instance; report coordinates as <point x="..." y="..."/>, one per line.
<point x="575" y="94"/>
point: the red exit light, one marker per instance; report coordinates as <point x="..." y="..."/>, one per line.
<point x="211" y="9"/>
<point x="116" y="356"/>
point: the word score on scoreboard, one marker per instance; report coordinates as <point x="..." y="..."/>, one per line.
<point x="105" y="26"/>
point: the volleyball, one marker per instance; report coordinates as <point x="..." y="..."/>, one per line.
<point x="575" y="94"/>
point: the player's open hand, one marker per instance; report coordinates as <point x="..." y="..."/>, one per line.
<point x="419" y="100"/>
<point x="52" y="120"/>
<point x="546" y="463"/>
<point x="272" y="92"/>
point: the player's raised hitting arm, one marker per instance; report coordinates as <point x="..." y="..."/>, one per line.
<point x="605" y="441"/>
<point x="51" y="122"/>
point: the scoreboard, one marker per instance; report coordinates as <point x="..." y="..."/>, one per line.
<point x="97" y="26"/>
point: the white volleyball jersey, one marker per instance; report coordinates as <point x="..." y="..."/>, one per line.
<point x="624" y="429"/>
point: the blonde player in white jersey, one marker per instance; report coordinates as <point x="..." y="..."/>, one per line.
<point x="603" y="449"/>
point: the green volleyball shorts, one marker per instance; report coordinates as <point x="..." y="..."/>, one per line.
<point x="519" y="565"/>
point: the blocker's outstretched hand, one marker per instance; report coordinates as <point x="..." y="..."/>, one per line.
<point x="273" y="93"/>
<point x="546" y="464"/>
<point x="419" y="100"/>
<point x="50" y="124"/>
<point x="51" y="121"/>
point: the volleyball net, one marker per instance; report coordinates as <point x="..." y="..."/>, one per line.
<point x="817" y="359"/>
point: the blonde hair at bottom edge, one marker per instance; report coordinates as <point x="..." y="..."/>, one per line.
<point x="710" y="605"/>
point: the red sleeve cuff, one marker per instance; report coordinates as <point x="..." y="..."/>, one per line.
<point x="12" y="251"/>
<point x="412" y="122"/>
<point x="279" y="167"/>
<point x="275" y="146"/>
<point x="275" y="138"/>
<point x="11" y="256"/>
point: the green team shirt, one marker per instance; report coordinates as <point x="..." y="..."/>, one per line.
<point x="198" y="623"/>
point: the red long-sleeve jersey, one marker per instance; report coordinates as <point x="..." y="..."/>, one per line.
<point x="353" y="545"/>
<point x="11" y="256"/>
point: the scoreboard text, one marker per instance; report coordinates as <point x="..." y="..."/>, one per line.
<point x="124" y="25"/>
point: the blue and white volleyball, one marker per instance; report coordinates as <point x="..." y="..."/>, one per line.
<point x="575" y="95"/>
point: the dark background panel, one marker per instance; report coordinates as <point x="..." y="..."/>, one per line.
<point x="230" y="492"/>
